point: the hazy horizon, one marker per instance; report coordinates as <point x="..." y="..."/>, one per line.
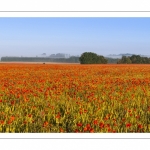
<point x="104" y="36"/>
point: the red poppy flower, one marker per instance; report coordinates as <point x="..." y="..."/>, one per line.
<point x="45" y="124"/>
<point x="79" y="124"/>
<point x="1" y="122"/>
<point x="101" y="125"/>
<point x="29" y="115"/>
<point x="95" y="122"/>
<point x="85" y="129"/>
<point x="128" y="125"/>
<point x="76" y="131"/>
<point x="58" y="115"/>
<point x="88" y="126"/>
<point x="12" y="102"/>
<point x="109" y="130"/>
<point x="91" y="130"/>
<point x="61" y="130"/>
<point x="140" y="126"/>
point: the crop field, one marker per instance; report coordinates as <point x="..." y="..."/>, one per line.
<point x="71" y="98"/>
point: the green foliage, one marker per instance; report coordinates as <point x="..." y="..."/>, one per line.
<point x="134" y="59"/>
<point x="92" y="58"/>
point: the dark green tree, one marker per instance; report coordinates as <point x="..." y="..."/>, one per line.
<point x="92" y="58"/>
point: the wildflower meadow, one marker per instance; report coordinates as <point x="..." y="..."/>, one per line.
<point x="74" y="98"/>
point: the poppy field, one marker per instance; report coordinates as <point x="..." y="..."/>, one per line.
<point x="73" y="98"/>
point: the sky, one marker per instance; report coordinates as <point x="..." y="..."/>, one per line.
<point x="104" y="36"/>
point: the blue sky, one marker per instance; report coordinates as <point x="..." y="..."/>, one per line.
<point x="34" y="36"/>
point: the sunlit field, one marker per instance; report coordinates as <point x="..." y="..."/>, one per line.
<point x="54" y="98"/>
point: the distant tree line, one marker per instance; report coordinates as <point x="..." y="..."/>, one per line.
<point x="112" y="60"/>
<point x="59" y="55"/>
<point x="134" y="59"/>
<point x="72" y="59"/>
<point x="92" y="58"/>
<point x="85" y="58"/>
